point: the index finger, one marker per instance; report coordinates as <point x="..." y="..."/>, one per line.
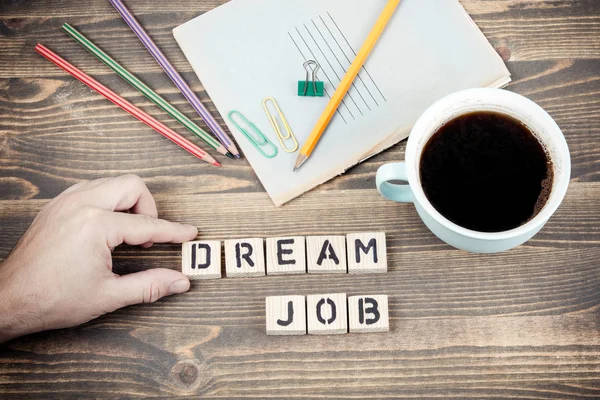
<point x="140" y="229"/>
<point x="126" y="192"/>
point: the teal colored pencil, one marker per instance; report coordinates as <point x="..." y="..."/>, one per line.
<point x="145" y="90"/>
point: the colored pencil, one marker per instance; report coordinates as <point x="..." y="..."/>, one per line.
<point x="346" y="82"/>
<point x="124" y="104"/>
<point x="185" y="89"/>
<point x="144" y="89"/>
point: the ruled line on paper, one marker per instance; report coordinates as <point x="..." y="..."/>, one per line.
<point x="324" y="88"/>
<point x="321" y="39"/>
<point x="354" y="55"/>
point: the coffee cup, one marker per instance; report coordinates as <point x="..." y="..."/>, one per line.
<point x="435" y="117"/>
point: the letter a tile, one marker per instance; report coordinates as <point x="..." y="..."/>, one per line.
<point x="244" y="257"/>
<point x="367" y="253"/>
<point x="326" y="254"/>
<point x="286" y="255"/>
<point x="368" y="314"/>
<point x="326" y="314"/>
<point x="286" y="315"/>
<point x="201" y="260"/>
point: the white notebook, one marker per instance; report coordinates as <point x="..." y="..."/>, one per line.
<point x="246" y="50"/>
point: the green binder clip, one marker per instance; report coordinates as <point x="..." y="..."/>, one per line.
<point x="311" y="86"/>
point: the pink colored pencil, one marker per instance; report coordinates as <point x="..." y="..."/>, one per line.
<point x="125" y="105"/>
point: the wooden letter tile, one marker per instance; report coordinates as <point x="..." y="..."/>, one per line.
<point x="327" y="314"/>
<point x="367" y="253"/>
<point x="368" y="314"/>
<point x="244" y="257"/>
<point x="286" y="255"/>
<point x="326" y="254"/>
<point x="286" y="315"/>
<point x="201" y="260"/>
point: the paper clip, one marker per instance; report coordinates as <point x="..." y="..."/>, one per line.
<point x="311" y="67"/>
<point x="273" y="120"/>
<point x="258" y="140"/>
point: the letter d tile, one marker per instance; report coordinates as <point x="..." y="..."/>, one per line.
<point x="201" y="259"/>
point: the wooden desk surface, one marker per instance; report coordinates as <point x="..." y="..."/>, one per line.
<point x="525" y="323"/>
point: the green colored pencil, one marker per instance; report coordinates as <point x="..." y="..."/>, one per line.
<point x="145" y="90"/>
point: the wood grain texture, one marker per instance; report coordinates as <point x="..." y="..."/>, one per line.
<point x="521" y="30"/>
<point x="521" y="324"/>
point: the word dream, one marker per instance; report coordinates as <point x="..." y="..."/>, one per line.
<point x="354" y="253"/>
<point x="327" y="314"/>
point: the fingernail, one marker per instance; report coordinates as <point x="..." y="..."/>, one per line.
<point x="191" y="227"/>
<point x="179" y="286"/>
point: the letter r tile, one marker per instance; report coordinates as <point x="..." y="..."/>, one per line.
<point x="367" y="253"/>
<point x="286" y="315"/>
<point x="244" y="257"/>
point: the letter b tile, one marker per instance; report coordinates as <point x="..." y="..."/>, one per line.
<point x="368" y="314"/>
<point x="286" y="315"/>
<point x="244" y="257"/>
<point x="326" y="314"/>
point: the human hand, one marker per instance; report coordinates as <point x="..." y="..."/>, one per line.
<point x="60" y="273"/>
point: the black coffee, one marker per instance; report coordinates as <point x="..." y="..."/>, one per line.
<point x="486" y="171"/>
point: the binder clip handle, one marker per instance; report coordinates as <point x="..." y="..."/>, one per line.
<point x="311" y="67"/>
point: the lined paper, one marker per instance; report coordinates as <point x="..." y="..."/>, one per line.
<point x="246" y="50"/>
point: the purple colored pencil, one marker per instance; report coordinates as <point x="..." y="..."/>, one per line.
<point x="185" y="89"/>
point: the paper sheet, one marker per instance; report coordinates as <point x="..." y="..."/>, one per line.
<point x="247" y="50"/>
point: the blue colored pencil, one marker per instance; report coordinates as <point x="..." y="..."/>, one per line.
<point x="185" y="89"/>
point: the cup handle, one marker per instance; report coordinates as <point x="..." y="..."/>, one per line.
<point x="392" y="191"/>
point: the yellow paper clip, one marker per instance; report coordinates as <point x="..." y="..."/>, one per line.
<point x="272" y="119"/>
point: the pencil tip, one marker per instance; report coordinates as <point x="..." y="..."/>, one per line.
<point x="228" y="154"/>
<point x="299" y="161"/>
<point x="238" y="156"/>
<point x="216" y="163"/>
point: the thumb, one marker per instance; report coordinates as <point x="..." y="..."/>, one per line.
<point x="146" y="286"/>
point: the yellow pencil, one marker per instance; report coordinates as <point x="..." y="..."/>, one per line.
<point x="344" y="85"/>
